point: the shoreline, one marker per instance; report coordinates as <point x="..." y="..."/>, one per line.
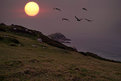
<point x="97" y="56"/>
<point x="94" y="55"/>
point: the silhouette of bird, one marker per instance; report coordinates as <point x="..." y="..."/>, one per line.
<point x="65" y="19"/>
<point x="57" y="9"/>
<point x="88" y="20"/>
<point x="85" y="9"/>
<point x="78" y="19"/>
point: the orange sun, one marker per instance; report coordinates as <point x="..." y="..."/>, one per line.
<point x="31" y="8"/>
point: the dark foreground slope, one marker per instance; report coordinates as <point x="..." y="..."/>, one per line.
<point x="25" y="59"/>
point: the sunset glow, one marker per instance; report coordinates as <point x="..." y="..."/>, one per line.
<point x="31" y="9"/>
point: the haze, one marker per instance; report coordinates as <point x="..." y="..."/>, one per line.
<point x="102" y="36"/>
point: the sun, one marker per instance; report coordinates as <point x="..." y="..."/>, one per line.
<point x="31" y="8"/>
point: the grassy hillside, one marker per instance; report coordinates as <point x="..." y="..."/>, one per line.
<point x="25" y="59"/>
<point x="33" y="34"/>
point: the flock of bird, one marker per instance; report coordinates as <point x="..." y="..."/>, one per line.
<point x="78" y="19"/>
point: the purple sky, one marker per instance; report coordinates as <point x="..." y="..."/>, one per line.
<point x="106" y="15"/>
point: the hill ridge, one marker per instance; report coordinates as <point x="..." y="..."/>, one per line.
<point x="20" y="30"/>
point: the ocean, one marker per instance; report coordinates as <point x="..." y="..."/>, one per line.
<point x="107" y="47"/>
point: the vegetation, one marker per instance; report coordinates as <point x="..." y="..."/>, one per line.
<point x="34" y="61"/>
<point x="22" y="31"/>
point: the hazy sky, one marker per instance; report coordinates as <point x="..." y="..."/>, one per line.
<point x="105" y="13"/>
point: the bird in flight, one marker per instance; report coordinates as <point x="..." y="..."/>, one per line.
<point x="78" y="18"/>
<point x="58" y="9"/>
<point x="85" y="9"/>
<point x="65" y="19"/>
<point x="88" y="20"/>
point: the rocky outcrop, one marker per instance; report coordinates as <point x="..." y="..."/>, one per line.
<point x="59" y="37"/>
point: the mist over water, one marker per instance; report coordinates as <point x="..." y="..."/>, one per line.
<point x="106" y="45"/>
<point x="107" y="48"/>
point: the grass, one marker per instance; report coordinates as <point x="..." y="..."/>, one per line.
<point x="29" y="63"/>
<point x="33" y="34"/>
